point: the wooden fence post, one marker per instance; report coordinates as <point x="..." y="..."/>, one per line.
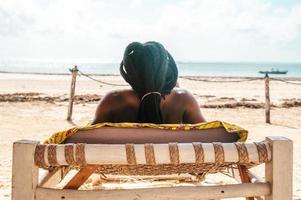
<point x="267" y="99"/>
<point x="74" y="71"/>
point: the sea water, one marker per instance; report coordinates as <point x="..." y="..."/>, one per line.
<point x="185" y="68"/>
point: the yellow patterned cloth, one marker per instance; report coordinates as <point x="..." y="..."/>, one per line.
<point x="60" y="137"/>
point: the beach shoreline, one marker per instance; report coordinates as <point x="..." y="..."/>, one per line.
<point x="180" y="76"/>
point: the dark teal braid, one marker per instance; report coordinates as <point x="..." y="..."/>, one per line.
<point x="147" y="68"/>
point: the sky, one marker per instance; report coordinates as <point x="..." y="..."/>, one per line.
<point x="191" y="30"/>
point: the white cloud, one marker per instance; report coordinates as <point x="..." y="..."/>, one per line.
<point x="232" y="30"/>
<point x="203" y="30"/>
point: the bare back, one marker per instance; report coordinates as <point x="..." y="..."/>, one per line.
<point x="122" y="106"/>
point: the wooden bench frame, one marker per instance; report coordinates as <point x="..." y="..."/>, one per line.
<point x="277" y="184"/>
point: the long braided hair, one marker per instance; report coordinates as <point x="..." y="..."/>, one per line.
<point x="150" y="70"/>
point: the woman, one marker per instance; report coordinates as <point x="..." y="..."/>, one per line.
<point x="152" y="73"/>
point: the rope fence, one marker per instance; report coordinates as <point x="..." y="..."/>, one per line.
<point x="192" y="79"/>
<point x="75" y="71"/>
<point x="99" y="81"/>
<point x="220" y="81"/>
<point x="237" y="81"/>
<point x="282" y="80"/>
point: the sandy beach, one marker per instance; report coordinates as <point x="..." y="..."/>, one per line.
<point x="35" y="106"/>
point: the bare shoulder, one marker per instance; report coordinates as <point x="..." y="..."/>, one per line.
<point x="190" y="108"/>
<point x="114" y="103"/>
<point x="181" y="94"/>
<point x="125" y="95"/>
<point x="118" y="100"/>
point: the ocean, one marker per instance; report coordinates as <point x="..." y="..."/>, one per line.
<point x="185" y="68"/>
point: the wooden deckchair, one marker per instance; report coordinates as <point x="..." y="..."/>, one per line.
<point x="151" y="160"/>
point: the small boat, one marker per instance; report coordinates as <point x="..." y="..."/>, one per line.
<point x="274" y="71"/>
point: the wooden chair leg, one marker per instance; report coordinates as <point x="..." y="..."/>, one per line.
<point x="25" y="174"/>
<point x="244" y="176"/>
<point x="279" y="172"/>
<point x="82" y="175"/>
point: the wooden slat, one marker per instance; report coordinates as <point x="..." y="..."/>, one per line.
<point x="179" y="193"/>
<point x="82" y="175"/>
<point x="244" y="176"/>
<point x="54" y="177"/>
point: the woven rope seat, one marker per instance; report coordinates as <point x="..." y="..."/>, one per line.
<point x="154" y="158"/>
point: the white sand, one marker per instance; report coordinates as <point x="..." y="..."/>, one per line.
<point x="37" y="120"/>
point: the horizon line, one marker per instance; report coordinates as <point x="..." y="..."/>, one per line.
<point x="80" y="61"/>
